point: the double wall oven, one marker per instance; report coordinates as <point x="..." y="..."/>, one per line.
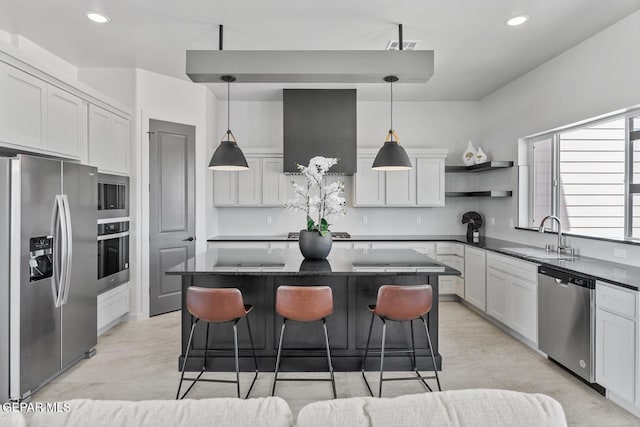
<point x="113" y="231"/>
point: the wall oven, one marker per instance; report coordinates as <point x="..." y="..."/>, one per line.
<point x="113" y="196"/>
<point x="113" y="254"/>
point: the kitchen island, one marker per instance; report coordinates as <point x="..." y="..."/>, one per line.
<point x="354" y="276"/>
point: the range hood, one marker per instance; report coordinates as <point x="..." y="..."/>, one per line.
<point x="309" y="66"/>
<point x="320" y="122"/>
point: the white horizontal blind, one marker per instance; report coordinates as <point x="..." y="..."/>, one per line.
<point x="591" y="187"/>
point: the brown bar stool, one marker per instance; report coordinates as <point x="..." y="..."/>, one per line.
<point x="217" y="305"/>
<point x="304" y="304"/>
<point x="401" y="304"/>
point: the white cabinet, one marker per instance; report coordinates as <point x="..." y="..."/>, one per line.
<point x="66" y="123"/>
<point x="616" y="340"/>
<point x="40" y="117"/>
<point x="475" y="279"/>
<point x="430" y="181"/>
<point x="512" y="294"/>
<point x="23" y="107"/>
<point x="250" y="184"/>
<point x="451" y="254"/>
<point x="109" y="137"/>
<point x="263" y="184"/>
<point x="112" y="306"/>
<point x="369" y="185"/>
<point x="421" y="186"/>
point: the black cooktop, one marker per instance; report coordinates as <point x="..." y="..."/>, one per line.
<point x="295" y="235"/>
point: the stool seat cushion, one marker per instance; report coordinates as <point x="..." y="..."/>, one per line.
<point x="304" y="303"/>
<point x="403" y="302"/>
<point x="216" y="305"/>
<point x="478" y="407"/>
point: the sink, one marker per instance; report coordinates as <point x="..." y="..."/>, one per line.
<point x="536" y="253"/>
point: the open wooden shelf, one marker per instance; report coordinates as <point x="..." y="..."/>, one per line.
<point x="493" y="194"/>
<point x="482" y="167"/>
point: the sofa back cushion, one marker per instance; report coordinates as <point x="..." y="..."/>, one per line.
<point x="449" y="408"/>
<point x="231" y="412"/>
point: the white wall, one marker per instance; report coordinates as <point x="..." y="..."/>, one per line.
<point x="118" y="83"/>
<point x="419" y="124"/>
<point x="597" y="76"/>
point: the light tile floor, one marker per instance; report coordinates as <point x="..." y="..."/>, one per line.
<point x="138" y="361"/>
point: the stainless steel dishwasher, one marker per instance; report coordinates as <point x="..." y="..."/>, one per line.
<point x="566" y="320"/>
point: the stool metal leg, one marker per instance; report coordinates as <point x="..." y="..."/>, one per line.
<point x="384" y="337"/>
<point x="237" y="355"/>
<point x="413" y="347"/>
<point x="206" y="346"/>
<point x="255" y="358"/>
<point x="433" y="358"/>
<point x="186" y="356"/>
<point x="326" y="339"/>
<point x="366" y="351"/>
<point x="275" y="376"/>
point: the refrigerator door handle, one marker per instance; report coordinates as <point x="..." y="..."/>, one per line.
<point x="68" y="255"/>
<point x="57" y="281"/>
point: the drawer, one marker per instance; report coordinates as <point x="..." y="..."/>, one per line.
<point x="523" y="269"/>
<point x="450" y="249"/>
<point x="453" y="261"/>
<point x="448" y="285"/>
<point x="616" y="300"/>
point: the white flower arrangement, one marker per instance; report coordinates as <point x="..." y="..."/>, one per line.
<point x="327" y="203"/>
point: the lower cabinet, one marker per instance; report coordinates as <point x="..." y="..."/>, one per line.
<point x="616" y="341"/>
<point x="475" y="277"/>
<point x="112" y="305"/>
<point x="512" y="294"/>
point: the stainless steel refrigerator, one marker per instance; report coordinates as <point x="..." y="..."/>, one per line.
<point x="48" y="270"/>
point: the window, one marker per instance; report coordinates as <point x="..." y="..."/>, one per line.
<point x="589" y="177"/>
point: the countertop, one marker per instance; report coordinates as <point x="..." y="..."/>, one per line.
<point x="618" y="274"/>
<point x="289" y="262"/>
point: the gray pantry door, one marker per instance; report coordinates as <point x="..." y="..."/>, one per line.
<point x="171" y="210"/>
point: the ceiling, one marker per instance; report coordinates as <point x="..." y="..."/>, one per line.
<point x="475" y="52"/>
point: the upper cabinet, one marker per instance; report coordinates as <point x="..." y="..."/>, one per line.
<point x="422" y="186"/>
<point x="109" y="140"/>
<point x="264" y="184"/>
<point x="40" y="117"/>
<point x="46" y="116"/>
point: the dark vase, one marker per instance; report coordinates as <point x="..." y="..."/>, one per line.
<point x="313" y="245"/>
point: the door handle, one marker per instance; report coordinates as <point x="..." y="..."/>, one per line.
<point x="69" y="254"/>
<point x="189" y="239"/>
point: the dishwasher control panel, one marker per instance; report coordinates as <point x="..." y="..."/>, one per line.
<point x="562" y="276"/>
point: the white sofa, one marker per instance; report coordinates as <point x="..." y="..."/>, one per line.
<point x="449" y="408"/>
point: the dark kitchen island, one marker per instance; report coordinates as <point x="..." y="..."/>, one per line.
<point x="354" y="276"/>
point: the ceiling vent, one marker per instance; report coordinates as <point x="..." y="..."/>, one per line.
<point x="406" y="44"/>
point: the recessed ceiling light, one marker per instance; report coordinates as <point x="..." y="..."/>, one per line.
<point x="517" y="20"/>
<point x="97" y="17"/>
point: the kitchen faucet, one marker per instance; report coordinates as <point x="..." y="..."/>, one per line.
<point x="561" y="245"/>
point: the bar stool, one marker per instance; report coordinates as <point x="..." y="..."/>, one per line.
<point x="401" y="304"/>
<point x="304" y="304"/>
<point x="217" y="305"/>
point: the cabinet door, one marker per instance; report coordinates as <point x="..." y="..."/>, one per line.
<point x="369" y="184"/>
<point x="447" y="285"/>
<point x="522" y="308"/>
<point x="225" y="188"/>
<point x="100" y="149"/>
<point x="120" y="141"/>
<point x="273" y="182"/>
<point x="459" y="289"/>
<point x="66" y="123"/>
<point x="250" y="184"/>
<point x="430" y="182"/>
<point x="23" y="101"/>
<point x="615" y="353"/>
<point x="475" y="277"/>
<point x="401" y="187"/>
<point x="497" y="283"/>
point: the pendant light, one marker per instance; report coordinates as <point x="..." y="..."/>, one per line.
<point x="392" y="156"/>
<point x="228" y="156"/>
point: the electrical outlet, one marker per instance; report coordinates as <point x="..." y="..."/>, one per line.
<point x="418" y="220"/>
<point x="620" y="253"/>
<point x="365" y="219"/>
<point x="493" y="220"/>
<point x="269" y="219"/>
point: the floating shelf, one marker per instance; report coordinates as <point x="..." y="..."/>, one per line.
<point x="482" y="167"/>
<point x="493" y="194"/>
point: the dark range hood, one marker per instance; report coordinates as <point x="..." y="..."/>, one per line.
<point x="320" y="122"/>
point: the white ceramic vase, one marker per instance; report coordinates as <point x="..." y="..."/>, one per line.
<point x="481" y="156"/>
<point x="469" y="155"/>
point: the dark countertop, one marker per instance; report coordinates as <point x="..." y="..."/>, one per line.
<point x="624" y="275"/>
<point x="289" y="262"/>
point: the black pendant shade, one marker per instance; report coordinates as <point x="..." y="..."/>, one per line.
<point x="228" y="155"/>
<point x="392" y="156"/>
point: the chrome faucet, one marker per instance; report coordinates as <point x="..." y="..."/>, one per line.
<point x="561" y="246"/>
